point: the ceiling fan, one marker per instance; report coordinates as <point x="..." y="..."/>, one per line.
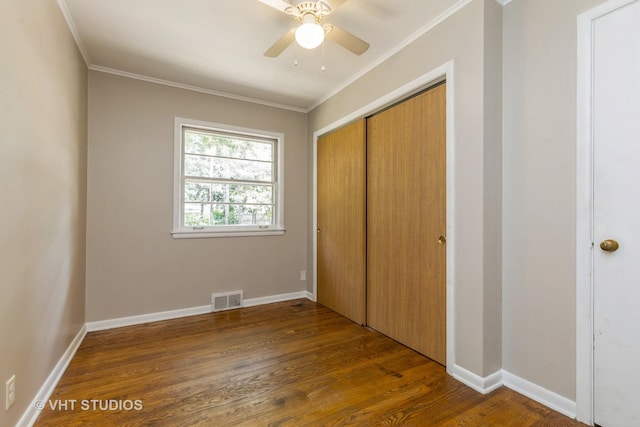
<point x="311" y="32"/>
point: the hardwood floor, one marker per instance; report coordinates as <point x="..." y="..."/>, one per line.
<point x="294" y="363"/>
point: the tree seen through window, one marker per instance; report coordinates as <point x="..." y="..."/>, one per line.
<point x="228" y="180"/>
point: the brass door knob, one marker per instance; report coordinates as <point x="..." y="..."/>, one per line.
<point x="609" y="245"/>
<point x="442" y="240"/>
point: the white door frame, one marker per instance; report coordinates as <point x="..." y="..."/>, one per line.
<point x="584" y="208"/>
<point x="443" y="72"/>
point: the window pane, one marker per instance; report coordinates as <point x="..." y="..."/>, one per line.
<point x="225" y="146"/>
<point x="197" y="214"/>
<point x="220" y="192"/>
<point x="242" y="215"/>
<point x="197" y="166"/>
<point x="212" y="167"/>
<point x="257" y="194"/>
<point x="197" y="192"/>
<point x="241" y="193"/>
<point x="254" y="215"/>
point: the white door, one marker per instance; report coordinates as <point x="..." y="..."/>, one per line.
<point x="616" y="273"/>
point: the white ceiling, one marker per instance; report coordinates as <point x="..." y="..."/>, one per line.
<point x="217" y="46"/>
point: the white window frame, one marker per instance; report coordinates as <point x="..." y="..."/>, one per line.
<point x="181" y="232"/>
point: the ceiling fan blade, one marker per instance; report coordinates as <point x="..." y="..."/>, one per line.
<point x="346" y="39"/>
<point x="280" y="5"/>
<point x="334" y="4"/>
<point x="282" y="43"/>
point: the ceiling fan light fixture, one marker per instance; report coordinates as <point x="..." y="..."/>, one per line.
<point x="310" y="34"/>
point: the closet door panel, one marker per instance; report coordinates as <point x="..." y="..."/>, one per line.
<point x="406" y="223"/>
<point x="341" y="221"/>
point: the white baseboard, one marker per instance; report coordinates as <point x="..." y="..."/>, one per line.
<point x="276" y="298"/>
<point x="101" y="325"/>
<point x="480" y="384"/>
<point x="540" y="394"/>
<point x="32" y="412"/>
<point x="533" y="391"/>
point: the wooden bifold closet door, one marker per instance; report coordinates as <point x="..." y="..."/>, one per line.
<point x="406" y="223"/>
<point x="341" y="221"/>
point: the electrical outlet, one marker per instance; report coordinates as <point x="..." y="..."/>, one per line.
<point x="303" y="275"/>
<point x="10" y="392"/>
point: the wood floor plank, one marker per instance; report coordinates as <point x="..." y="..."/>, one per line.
<point x="294" y="363"/>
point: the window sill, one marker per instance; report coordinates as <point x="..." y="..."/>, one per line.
<point x="199" y="234"/>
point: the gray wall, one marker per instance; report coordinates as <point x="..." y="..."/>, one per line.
<point x="134" y="266"/>
<point x="43" y="99"/>
<point x="472" y="38"/>
<point x="539" y="191"/>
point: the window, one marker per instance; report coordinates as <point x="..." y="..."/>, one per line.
<point x="228" y="181"/>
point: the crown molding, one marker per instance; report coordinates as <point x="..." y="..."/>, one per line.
<point x="425" y="29"/>
<point x="87" y="60"/>
<point x="193" y="88"/>
<point x="422" y="31"/>
<point x="62" y="4"/>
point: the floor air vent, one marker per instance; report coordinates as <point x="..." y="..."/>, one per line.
<point x="226" y="301"/>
